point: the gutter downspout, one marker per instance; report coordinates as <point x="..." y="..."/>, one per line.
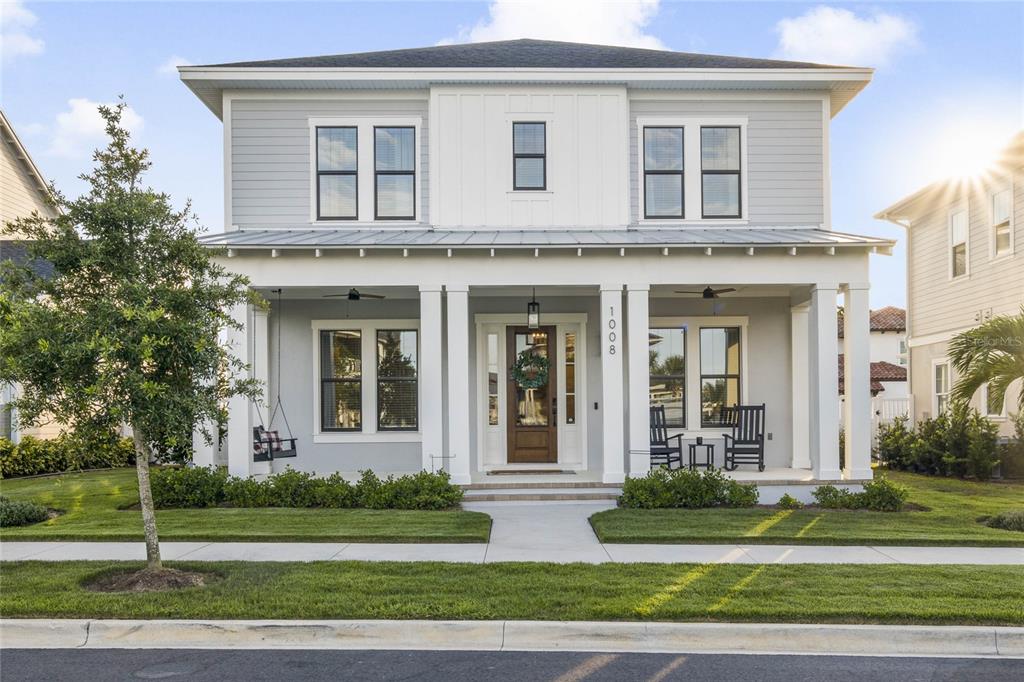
<point x="905" y="224"/>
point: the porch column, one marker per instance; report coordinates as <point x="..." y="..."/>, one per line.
<point x="239" y="440"/>
<point x="431" y="376"/>
<point x="260" y="360"/>
<point x="823" y="370"/>
<point x="611" y="384"/>
<point x="857" y="380"/>
<point x="800" y="385"/>
<point x="458" y="382"/>
<point x="638" y="332"/>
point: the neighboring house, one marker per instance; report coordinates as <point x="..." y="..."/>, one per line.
<point x="23" y="190"/>
<point x="656" y="225"/>
<point x="888" y="353"/>
<point x="964" y="266"/>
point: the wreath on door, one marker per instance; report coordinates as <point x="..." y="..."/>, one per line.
<point x="530" y="370"/>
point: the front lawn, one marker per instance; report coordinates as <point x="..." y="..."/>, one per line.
<point x="991" y="595"/>
<point x="94" y="509"/>
<point x="953" y="508"/>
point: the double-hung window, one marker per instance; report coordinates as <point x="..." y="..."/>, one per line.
<point x="958" y="243"/>
<point x="1002" y="203"/>
<point x="719" y="373"/>
<point x="940" y="387"/>
<point x="396" y="380"/>
<point x="663" y="172"/>
<point x="667" y="354"/>
<point x="720" y="172"/>
<point x="529" y="156"/>
<point x="341" y="380"/>
<point x="336" y="173"/>
<point x="394" y="172"/>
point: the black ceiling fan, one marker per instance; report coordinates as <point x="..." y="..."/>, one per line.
<point x="354" y="295"/>
<point x="708" y="292"/>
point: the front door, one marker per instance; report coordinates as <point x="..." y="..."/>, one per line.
<point x="532" y="402"/>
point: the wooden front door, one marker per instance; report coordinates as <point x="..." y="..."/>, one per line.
<point x="532" y="412"/>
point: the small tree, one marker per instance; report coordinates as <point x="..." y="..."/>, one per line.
<point x="991" y="353"/>
<point x="125" y="330"/>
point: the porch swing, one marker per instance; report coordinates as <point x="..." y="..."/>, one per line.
<point x="267" y="444"/>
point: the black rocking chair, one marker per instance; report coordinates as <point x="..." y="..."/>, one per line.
<point x="662" y="451"/>
<point x="745" y="445"/>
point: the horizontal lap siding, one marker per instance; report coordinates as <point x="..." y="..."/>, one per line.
<point x="784" y="154"/>
<point x="270" y="164"/>
<point x="18" y="194"/>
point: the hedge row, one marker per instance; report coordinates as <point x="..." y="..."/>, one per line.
<point x="34" y="456"/>
<point x="880" y="494"/>
<point x="192" y="487"/>
<point x="666" y="488"/>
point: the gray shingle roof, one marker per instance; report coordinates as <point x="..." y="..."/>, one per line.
<point x="526" y="54"/>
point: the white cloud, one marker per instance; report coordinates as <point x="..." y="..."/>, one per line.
<point x="170" y="67"/>
<point x="582" y="21"/>
<point x="15" y="23"/>
<point x="831" y="35"/>
<point x="81" y="129"/>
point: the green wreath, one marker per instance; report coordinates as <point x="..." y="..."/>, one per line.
<point x="530" y="370"/>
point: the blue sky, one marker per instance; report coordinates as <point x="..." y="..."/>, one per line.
<point x="949" y="83"/>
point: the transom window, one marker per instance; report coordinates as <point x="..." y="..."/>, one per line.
<point x="720" y="172"/>
<point x="529" y="156"/>
<point x="958" y="243"/>
<point x="663" y="172"/>
<point x="667" y="354"/>
<point x="719" y="373"/>
<point x="940" y="388"/>
<point x="336" y="173"/>
<point x="341" y="380"/>
<point x="1002" y="207"/>
<point x="395" y="173"/>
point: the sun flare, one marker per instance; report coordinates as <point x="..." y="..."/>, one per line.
<point x="967" y="151"/>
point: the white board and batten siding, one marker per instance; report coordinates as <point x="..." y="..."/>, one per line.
<point x="270" y="173"/>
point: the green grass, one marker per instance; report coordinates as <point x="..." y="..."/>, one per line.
<point x="954" y="508"/>
<point x="652" y="592"/>
<point x="93" y="505"/>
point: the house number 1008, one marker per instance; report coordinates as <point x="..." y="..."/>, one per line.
<point x="611" y="330"/>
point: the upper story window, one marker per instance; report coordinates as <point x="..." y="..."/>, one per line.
<point x="337" y="159"/>
<point x="395" y="173"/>
<point x="720" y="171"/>
<point x="1002" y="209"/>
<point x="529" y="156"/>
<point x="958" y="243"/>
<point x="663" y="172"/>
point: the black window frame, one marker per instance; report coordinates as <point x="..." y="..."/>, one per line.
<point x="346" y="380"/>
<point x="673" y="377"/>
<point x="543" y="157"/>
<point x="738" y="173"/>
<point x="354" y="173"/>
<point x="737" y="375"/>
<point x="377" y="173"/>
<point x="681" y="172"/>
<point x="415" y="380"/>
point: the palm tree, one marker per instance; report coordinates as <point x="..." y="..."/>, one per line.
<point x="991" y="353"/>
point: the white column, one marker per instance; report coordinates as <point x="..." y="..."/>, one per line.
<point x="431" y="379"/>
<point x="800" y="382"/>
<point x="638" y="339"/>
<point x="239" y="440"/>
<point x="612" y="384"/>
<point x="857" y="380"/>
<point x="458" y="382"/>
<point x="203" y="452"/>
<point x="261" y="372"/>
<point x="823" y="384"/>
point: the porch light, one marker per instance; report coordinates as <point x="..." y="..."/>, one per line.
<point x="533" y="313"/>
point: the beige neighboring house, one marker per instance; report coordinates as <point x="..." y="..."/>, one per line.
<point x="964" y="266"/>
<point x="23" y="190"/>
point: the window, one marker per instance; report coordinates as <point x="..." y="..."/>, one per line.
<point x="990" y="405"/>
<point x="663" y="172"/>
<point x="668" y="374"/>
<point x="719" y="372"/>
<point x="720" y="172"/>
<point x="958" y="243"/>
<point x="395" y="173"/>
<point x="336" y="165"/>
<point x="903" y="352"/>
<point x="396" y="380"/>
<point x="529" y="156"/>
<point x="341" y="381"/>
<point x="492" y="379"/>
<point x="570" y="377"/>
<point x="1002" y="203"/>
<point x="940" y="388"/>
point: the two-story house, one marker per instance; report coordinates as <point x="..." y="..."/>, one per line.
<point x="964" y="266"/>
<point x="653" y="226"/>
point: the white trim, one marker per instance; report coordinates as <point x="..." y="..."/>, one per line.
<point x="937" y="362"/>
<point x="826" y="164"/>
<point x="937" y="337"/>
<point x="957" y="208"/>
<point x="229" y="161"/>
<point x="990" y="214"/>
<point x="692" y="193"/>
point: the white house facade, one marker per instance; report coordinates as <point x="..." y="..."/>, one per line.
<point x="495" y="258"/>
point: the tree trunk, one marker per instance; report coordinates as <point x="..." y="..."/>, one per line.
<point x="146" y="499"/>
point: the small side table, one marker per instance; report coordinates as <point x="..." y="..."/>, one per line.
<point x="709" y="455"/>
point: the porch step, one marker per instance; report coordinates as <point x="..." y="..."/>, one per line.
<point x="534" y="485"/>
<point x="536" y="494"/>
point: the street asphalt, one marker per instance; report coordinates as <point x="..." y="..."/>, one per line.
<point x="99" y="665"/>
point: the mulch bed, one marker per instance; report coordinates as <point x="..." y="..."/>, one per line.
<point x="146" y="580"/>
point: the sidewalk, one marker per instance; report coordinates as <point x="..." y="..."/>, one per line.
<point x="521" y="532"/>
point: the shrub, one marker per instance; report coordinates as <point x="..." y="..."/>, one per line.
<point x="929" y="448"/>
<point x="662" y="488"/>
<point x="787" y="501"/>
<point x="830" y="497"/>
<point x="1011" y="455"/>
<point x="423" y="490"/>
<point x="187" y="486"/>
<point x="21" y="513"/>
<point x="647" y="492"/>
<point x="896" y="443"/>
<point x="333" y="492"/>
<point x="740" y="494"/>
<point x="880" y="494"/>
<point x="247" y="492"/>
<point x="1008" y="520"/>
<point x="33" y="456"/>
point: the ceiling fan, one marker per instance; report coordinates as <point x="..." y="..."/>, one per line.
<point x="708" y="292"/>
<point x="354" y="295"/>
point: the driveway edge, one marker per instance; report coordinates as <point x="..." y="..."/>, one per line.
<point x="746" y="638"/>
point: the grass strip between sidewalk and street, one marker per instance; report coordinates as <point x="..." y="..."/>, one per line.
<point x="809" y="593"/>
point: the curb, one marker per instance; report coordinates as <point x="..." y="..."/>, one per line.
<point x="734" y="638"/>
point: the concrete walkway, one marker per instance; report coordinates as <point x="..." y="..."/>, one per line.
<point x="557" y="532"/>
